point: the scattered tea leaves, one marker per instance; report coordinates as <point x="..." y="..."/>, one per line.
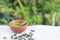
<point x="14" y="34"/>
<point x="4" y="38"/>
<point x="11" y="37"/>
<point x="24" y="36"/>
<point x="33" y="30"/>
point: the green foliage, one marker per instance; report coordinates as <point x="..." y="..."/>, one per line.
<point x="58" y="18"/>
<point x="30" y="10"/>
<point x="48" y="19"/>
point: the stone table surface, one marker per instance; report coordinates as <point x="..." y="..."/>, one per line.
<point x="42" y="32"/>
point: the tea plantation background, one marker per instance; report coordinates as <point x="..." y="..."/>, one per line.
<point x="35" y="12"/>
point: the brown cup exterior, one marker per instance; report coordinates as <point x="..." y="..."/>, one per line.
<point x="17" y="29"/>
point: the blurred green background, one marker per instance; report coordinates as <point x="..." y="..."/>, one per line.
<point x="35" y="12"/>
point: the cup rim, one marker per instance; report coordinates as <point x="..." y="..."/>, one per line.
<point x="15" y="21"/>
